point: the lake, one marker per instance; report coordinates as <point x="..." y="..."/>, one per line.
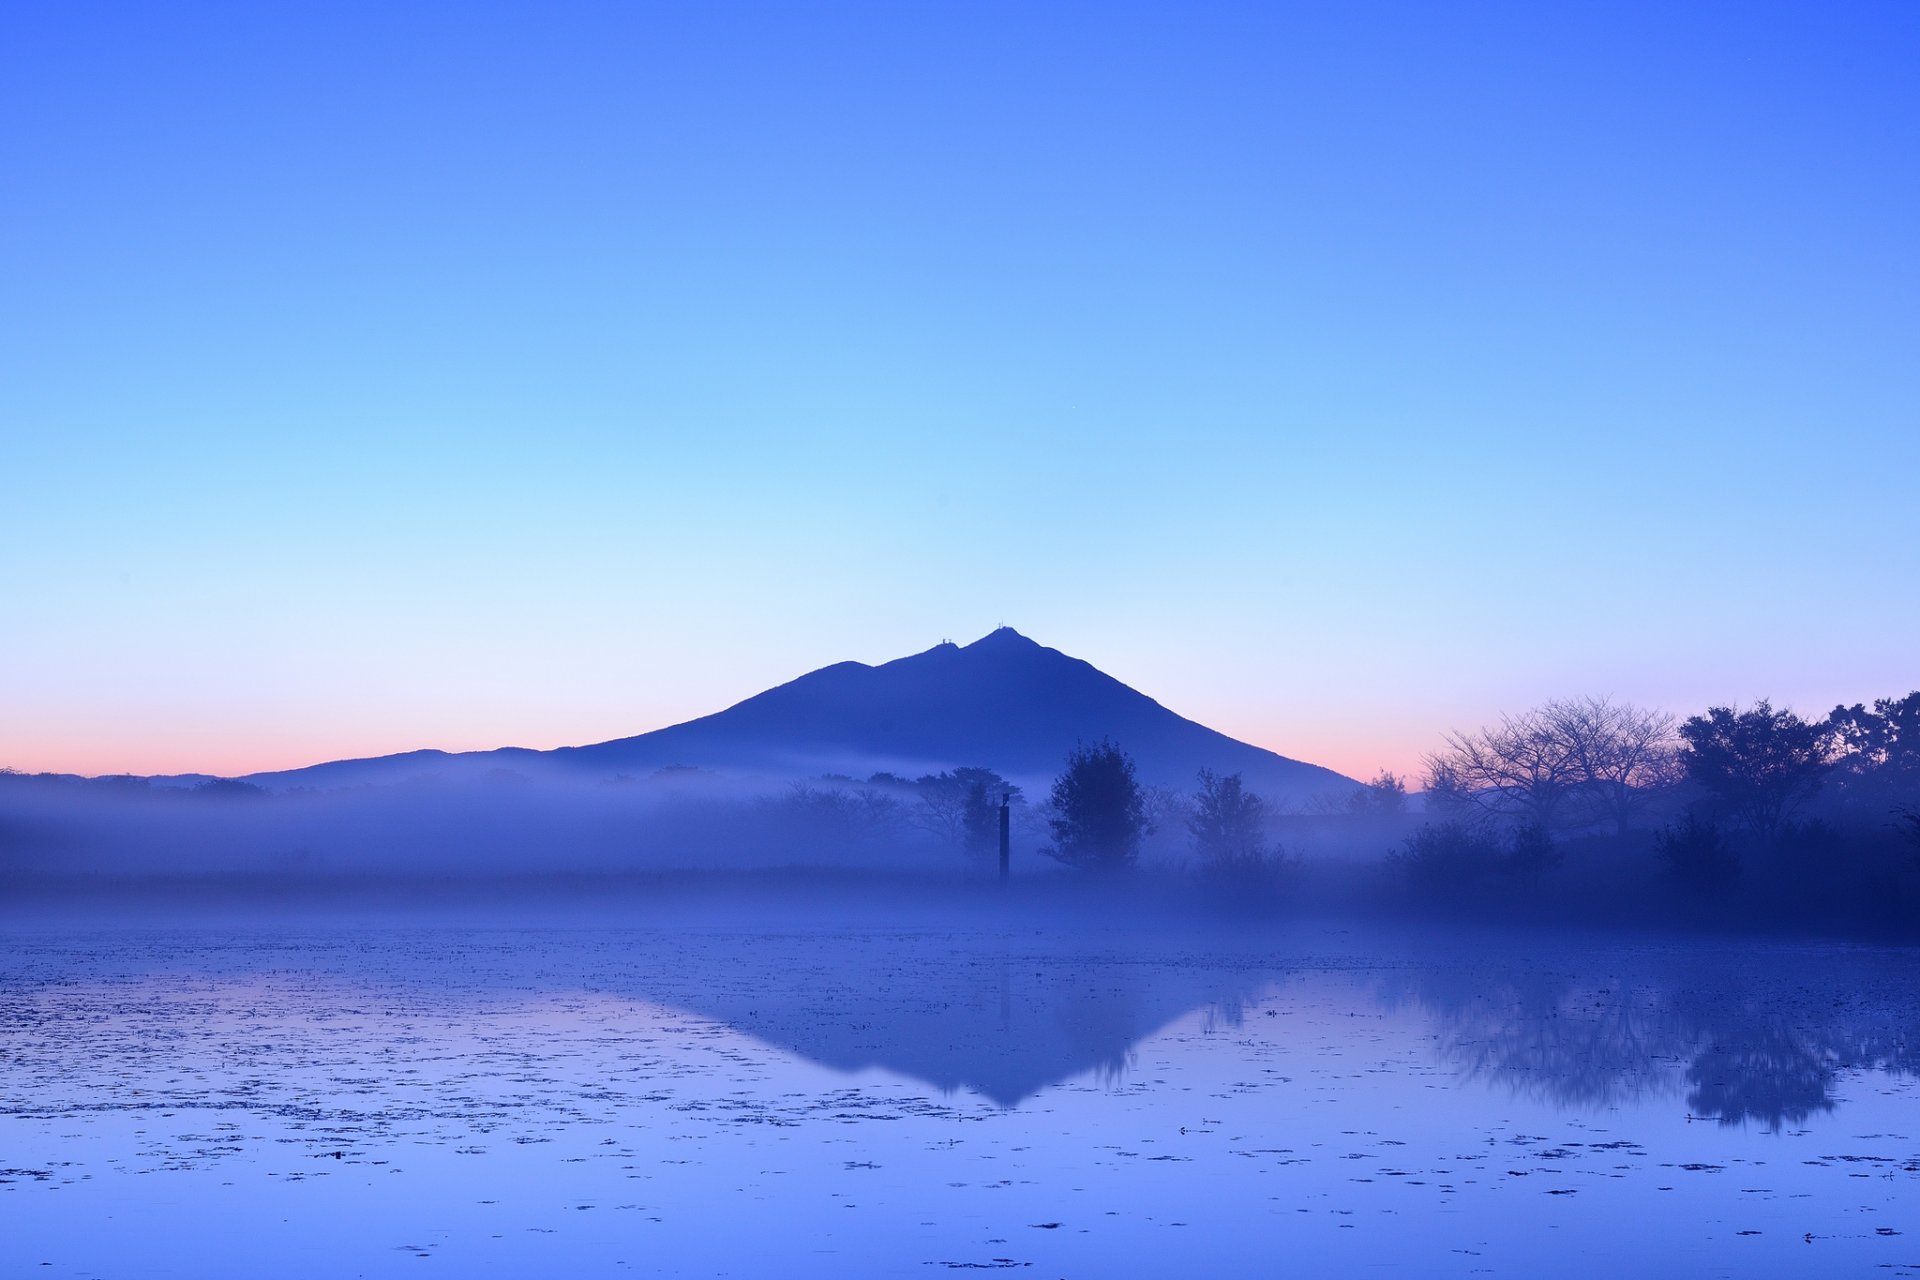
<point x="822" y="1097"/>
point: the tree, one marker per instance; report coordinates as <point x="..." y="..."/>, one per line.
<point x="1522" y="769"/>
<point x="1384" y="797"/>
<point x="1166" y="809"/>
<point x="1228" y="823"/>
<point x="1563" y="763"/>
<point x="1099" y="813"/>
<point x="1450" y="856"/>
<point x="1623" y="755"/>
<point x="1697" y="854"/>
<point x="1459" y="856"/>
<point x="963" y="807"/>
<point x="1876" y="754"/>
<point x="1761" y="764"/>
<point x="1907" y="824"/>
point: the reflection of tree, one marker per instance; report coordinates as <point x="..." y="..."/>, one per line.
<point x="1879" y="1036"/>
<point x="1746" y="1042"/>
<point x="1754" y="1058"/>
<point x="1546" y="1037"/>
<point x="1775" y="1079"/>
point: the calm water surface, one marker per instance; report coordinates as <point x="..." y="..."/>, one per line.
<point x="348" y="1101"/>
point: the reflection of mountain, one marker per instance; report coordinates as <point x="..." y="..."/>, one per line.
<point x="1004" y="1018"/>
<point x="1734" y="1035"/>
<point x="1743" y="1037"/>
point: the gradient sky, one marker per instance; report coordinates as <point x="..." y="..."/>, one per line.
<point x="378" y="376"/>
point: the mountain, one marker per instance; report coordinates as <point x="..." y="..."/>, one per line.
<point x="1003" y="702"/>
<point x="957" y="1011"/>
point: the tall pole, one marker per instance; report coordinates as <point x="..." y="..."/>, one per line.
<point x="1006" y="836"/>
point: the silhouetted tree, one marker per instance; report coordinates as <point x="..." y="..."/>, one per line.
<point x="1455" y="856"/>
<point x="228" y="789"/>
<point x="1887" y="736"/>
<point x="1228" y="823"/>
<point x="1591" y="758"/>
<point x="1098" y="813"/>
<point x="1449" y="856"/>
<point x="1385" y="797"/>
<point x="1696" y="853"/>
<point x="1531" y="849"/>
<point x="1622" y="755"/>
<point x="963" y="807"/>
<point x="828" y="815"/>
<point x="1165" y="809"/>
<point x="878" y="813"/>
<point x="1447" y="799"/>
<point x="1760" y="764"/>
<point x="1876" y="753"/>
<point x="1907" y="823"/>
<point x="1522" y="769"/>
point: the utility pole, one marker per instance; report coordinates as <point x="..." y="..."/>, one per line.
<point x="1006" y="835"/>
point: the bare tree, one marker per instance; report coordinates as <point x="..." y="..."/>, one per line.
<point x="962" y="808"/>
<point x="1522" y="769"/>
<point x="1623" y="755"/>
<point x="1541" y="768"/>
<point x="940" y="809"/>
<point x="1167" y="812"/>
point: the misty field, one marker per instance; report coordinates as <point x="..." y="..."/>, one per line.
<point x="805" y="1096"/>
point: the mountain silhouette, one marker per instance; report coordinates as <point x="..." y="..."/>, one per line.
<point x="1002" y="1018"/>
<point x="1003" y="702"/>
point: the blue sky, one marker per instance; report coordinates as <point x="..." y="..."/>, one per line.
<point x="380" y="376"/>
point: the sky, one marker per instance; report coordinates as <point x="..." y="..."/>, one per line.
<point x="383" y="376"/>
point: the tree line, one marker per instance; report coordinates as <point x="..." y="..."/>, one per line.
<point x="1714" y="792"/>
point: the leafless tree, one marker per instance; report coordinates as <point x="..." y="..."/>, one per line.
<point x="1589" y="758"/>
<point x="1521" y="768"/>
<point x="940" y="810"/>
<point x="961" y="808"/>
<point x="1624" y="755"/>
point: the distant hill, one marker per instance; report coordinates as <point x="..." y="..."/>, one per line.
<point x="1003" y="702"/>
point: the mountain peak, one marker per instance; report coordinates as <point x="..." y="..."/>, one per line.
<point x="1003" y="702"/>
<point x="1003" y="638"/>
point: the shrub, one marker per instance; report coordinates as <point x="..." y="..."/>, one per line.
<point x="1696" y="853"/>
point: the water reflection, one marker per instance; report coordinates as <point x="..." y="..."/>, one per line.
<point x="1735" y="1036"/>
<point x="1001" y="1018"/>
<point x="1753" y="1039"/>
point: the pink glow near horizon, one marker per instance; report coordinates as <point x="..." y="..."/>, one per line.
<point x="1198" y="351"/>
<point x="233" y="751"/>
<point x="230" y="739"/>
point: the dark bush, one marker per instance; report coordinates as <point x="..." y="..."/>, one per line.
<point x="1697" y="853"/>
<point x="1448" y="855"/>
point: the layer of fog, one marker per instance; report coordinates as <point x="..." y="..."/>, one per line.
<point x="546" y="820"/>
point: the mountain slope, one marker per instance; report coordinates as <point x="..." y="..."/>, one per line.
<point x="1003" y="702"/>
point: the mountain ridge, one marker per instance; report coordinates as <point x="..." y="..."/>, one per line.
<point x="1004" y="702"/>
